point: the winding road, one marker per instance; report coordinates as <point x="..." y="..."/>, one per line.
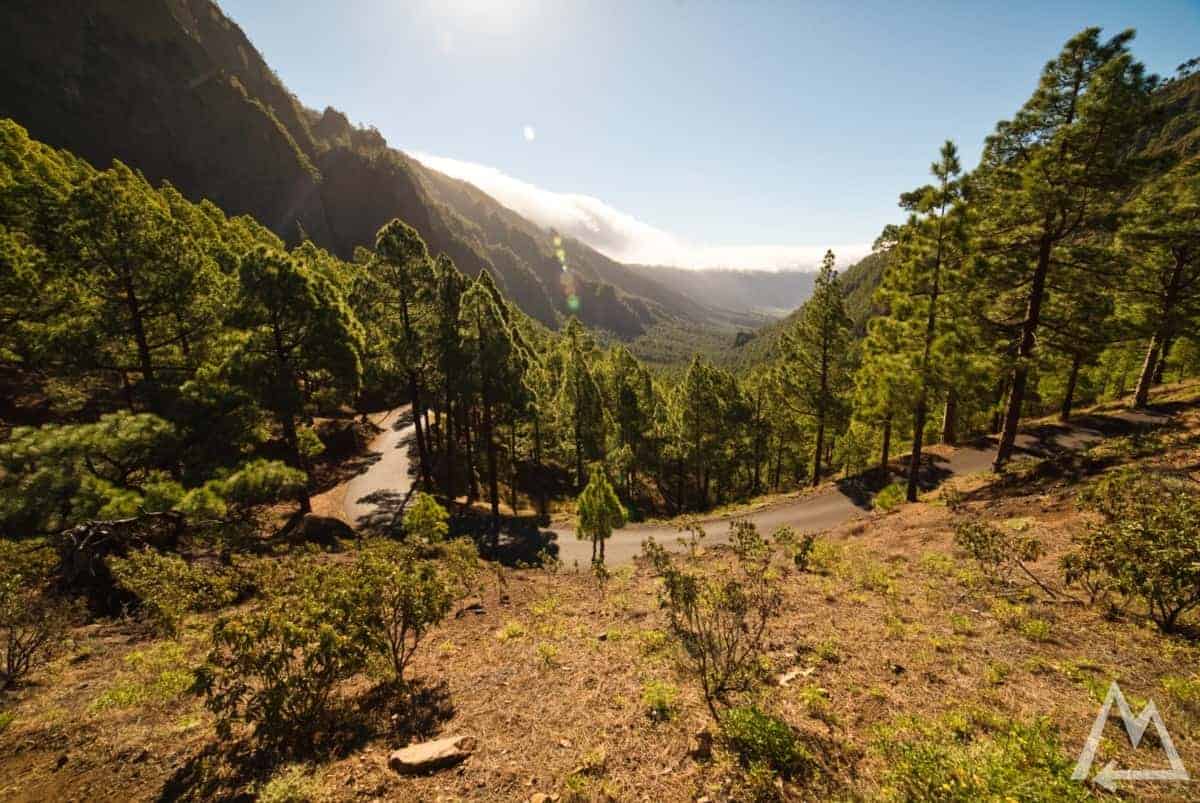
<point x="374" y="496"/>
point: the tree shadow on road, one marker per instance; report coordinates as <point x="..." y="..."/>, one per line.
<point x="388" y="515"/>
<point x="522" y="539"/>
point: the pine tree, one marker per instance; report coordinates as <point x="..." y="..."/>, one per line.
<point x="925" y="289"/>
<point x="1161" y="237"/>
<point x="579" y="401"/>
<point x="816" y="361"/>
<point x="406" y="274"/>
<point x="599" y="513"/>
<point x="1050" y="177"/>
<point x="491" y="353"/>
<point x="298" y="328"/>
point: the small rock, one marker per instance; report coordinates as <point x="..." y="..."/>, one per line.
<point x="897" y="669"/>
<point x="787" y="677"/>
<point x="435" y="755"/>
<point x="602" y="636"/>
<point x="542" y="797"/>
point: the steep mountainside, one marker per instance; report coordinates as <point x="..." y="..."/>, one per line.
<point x="175" y="89"/>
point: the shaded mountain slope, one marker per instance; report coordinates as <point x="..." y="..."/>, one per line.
<point x="175" y="89"/>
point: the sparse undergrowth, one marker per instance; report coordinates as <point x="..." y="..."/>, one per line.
<point x="888" y="668"/>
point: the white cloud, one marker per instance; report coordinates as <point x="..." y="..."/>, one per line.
<point x="623" y="237"/>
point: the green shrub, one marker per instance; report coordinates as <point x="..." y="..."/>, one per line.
<point x="659" y="700"/>
<point x="798" y="548"/>
<point x="407" y="597"/>
<point x="720" y="617"/>
<point x="1185" y="691"/>
<point x="153" y="676"/>
<point x="292" y="784"/>
<point x="968" y="758"/>
<point x="889" y="497"/>
<point x="1147" y="543"/>
<point x="761" y="739"/>
<point x="425" y="520"/>
<point x="276" y="667"/>
<point x="168" y="587"/>
<point x="1035" y="629"/>
<point x="32" y="620"/>
<point x="998" y="553"/>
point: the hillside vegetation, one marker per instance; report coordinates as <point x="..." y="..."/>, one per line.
<point x="184" y="390"/>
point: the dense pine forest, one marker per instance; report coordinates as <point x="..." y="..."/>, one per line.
<point x="182" y="382"/>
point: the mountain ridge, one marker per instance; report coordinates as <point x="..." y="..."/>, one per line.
<point x="176" y="89"/>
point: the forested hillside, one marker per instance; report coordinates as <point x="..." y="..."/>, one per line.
<point x="177" y="91"/>
<point x="201" y="352"/>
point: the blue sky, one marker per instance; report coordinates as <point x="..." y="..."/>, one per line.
<point x="737" y="125"/>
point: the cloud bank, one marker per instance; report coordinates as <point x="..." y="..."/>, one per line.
<point x="621" y="236"/>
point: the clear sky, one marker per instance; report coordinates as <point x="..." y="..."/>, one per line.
<point x="721" y="123"/>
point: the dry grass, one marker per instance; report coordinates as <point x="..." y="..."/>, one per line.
<point x="552" y="675"/>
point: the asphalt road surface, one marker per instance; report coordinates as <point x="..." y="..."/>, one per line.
<point x="373" y="496"/>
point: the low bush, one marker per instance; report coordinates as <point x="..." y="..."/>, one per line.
<point x="720" y="616"/>
<point x="155" y="676"/>
<point x="167" y="587"/>
<point x="890" y="497"/>
<point x="1147" y="543"/>
<point x="998" y="553"/>
<point x="276" y="667"/>
<point x="659" y="700"/>
<point x="32" y="620"/>
<point x="760" y="739"/>
<point x="968" y="757"/>
<point x="795" y="546"/>
<point x="407" y="597"/>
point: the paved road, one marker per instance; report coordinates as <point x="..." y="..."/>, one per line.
<point x="373" y="496"/>
<point x="833" y="506"/>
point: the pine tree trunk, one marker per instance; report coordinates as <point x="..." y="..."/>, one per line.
<point x="292" y="438"/>
<point x="493" y="480"/>
<point x="1064" y="415"/>
<point x="886" y="451"/>
<point x="1161" y="369"/>
<point x="422" y="447"/>
<point x="1025" y="350"/>
<point x="472" y="479"/>
<point x="816" y="477"/>
<point x="949" y="418"/>
<point x="138" y="327"/>
<point x="1141" y="396"/>
<point x="512" y="464"/>
<point x="914" y="458"/>
<point x="450" y="438"/>
<point x="537" y="464"/>
<point x="778" y="462"/>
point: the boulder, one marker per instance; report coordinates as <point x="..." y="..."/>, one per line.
<point x="322" y="530"/>
<point x="430" y="756"/>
